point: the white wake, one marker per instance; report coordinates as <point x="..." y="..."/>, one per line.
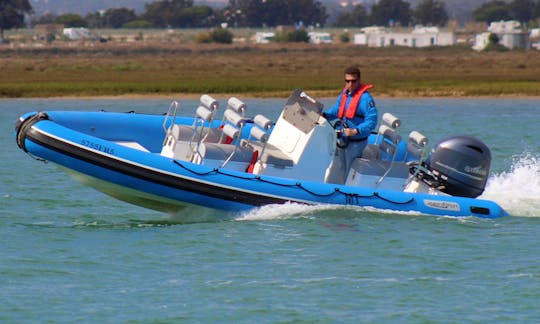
<point x="518" y="190"/>
<point x="284" y="211"/>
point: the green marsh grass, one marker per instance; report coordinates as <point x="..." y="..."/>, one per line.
<point x="272" y="70"/>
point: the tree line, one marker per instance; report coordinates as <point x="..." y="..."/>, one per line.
<point x="434" y="13"/>
<point x="268" y="13"/>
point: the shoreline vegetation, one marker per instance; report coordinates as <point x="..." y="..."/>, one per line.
<point x="269" y="70"/>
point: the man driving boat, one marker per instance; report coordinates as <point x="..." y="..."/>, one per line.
<point x="356" y="116"/>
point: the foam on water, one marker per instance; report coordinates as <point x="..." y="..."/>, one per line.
<point x="518" y="190"/>
<point x="284" y="211"/>
<point x="295" y="210"/>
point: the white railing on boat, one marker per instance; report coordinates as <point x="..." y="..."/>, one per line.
<point x="173" y="109"/>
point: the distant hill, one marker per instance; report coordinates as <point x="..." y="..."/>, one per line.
<point x="457" y="9"/>
<point x="58" y="7"/>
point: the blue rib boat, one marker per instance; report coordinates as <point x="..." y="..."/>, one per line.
<point x="235" y="163"/>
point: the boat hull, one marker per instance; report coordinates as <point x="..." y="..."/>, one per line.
<point x="81" y="144"/>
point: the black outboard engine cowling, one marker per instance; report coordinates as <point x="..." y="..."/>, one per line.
<point x="461" y="164"/>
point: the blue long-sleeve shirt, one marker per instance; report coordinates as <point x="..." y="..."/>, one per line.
<point x="365" y="119"/>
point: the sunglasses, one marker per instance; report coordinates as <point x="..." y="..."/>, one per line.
<point x="352" y="80"/>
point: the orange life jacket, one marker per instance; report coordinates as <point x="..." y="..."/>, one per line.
<point x="353" y="104"/>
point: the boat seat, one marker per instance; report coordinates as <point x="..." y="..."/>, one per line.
<point x="258" y="141"/>
<point x="416" y="153"/>
<point x="371" y="152"/>
<point x="233" y="105"/>
<point x="386" y="141"/>
<point x="209" y="134"/>
<point x="185" y="133"/>
<point x="390" y="141"/>
<point x="184" y="141"/>
<point x="271" y="155"/>
<point x="180" y="140"/>
<point x="379" y="174"/>
<point x="416" y="146"/>
<point x="204" y="115"/>
<point x="233" y="123"/>
<point x="221" y="152"/>
<point x="379" y="159"/>
<point x="378" y="168"/>
<point x="386" y="145"/>
<point x="202" y="130"/>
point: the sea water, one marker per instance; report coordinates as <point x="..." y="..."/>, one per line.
<point x="69" y="253"/>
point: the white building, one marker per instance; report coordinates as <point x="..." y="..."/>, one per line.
<point x="77" y="33"/>
<point x="419" y="37"/>
<point x="481" y="41"/>
<point x="264" y="37"/>
<point x="320" y="38"/>
<point x="534" y="37"/>
<point x="373" y="36"/>
<point x="509" y="33"/>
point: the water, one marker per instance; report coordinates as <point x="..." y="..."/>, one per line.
<point x="69" y="253"/>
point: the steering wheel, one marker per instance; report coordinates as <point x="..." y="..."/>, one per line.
<point x="341" y="140"/>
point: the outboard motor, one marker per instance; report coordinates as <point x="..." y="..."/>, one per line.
<point x="461" y="165"/>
